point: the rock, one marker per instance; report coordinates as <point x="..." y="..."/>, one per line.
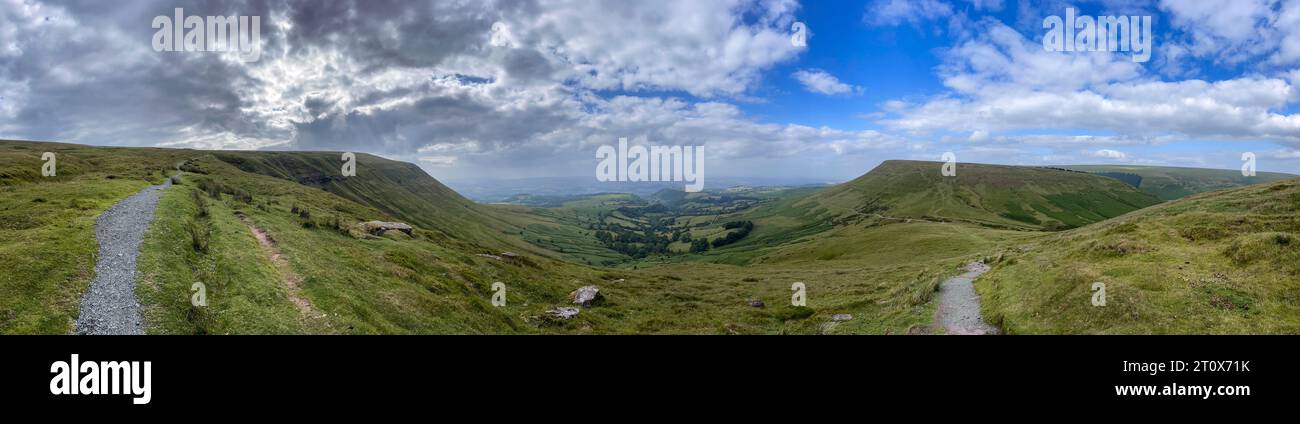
<point x="378" y="228"/>
<point x="509" y="254"/>
<point x="563" y="312"/>
<point x="586" y="296"/>
<point x="490" y="256"/>
<point x="756" y="303"/>
<point x="976" y="267"/>
<point x="841" y="317"/>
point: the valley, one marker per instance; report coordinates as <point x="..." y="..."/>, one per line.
<point x="276" y="239"/>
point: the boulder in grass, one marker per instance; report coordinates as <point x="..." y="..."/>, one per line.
<point x="756" y="303"/>
<point x="841" y="317"/>
<point x="378" y="228"/>
<point x="586" y="296"/>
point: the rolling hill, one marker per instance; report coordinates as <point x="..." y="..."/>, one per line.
<point x="980" y="209"/>
<point x="1171" y="183"/>
<point x="275" y="239"/>
<point x="277" y="247"/>
<point x="997" y="196"/>
<point x="397" y="188"/>
<point x="1220" y="262"/>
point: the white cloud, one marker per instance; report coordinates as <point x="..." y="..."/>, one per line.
<point x="1001" y="81"/>
<point x="1109" y="154"/>
<point x="439" y="161"/>
<point x="914" y="12"/>
<point x="1288" y="21"/>
<point x="821" y="82"/>
<point x="1286" y="154"/>
<point x="987" y="4"/>
<point x="1234" y="21"/>
<point x="705" y="48"/>
<point x="1235" y="31"/>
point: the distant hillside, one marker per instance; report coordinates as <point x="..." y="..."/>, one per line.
<point x="1221" y="262"/>
<point x="1170" y="183"/>
<point x="989" y="195"/>
<point x="500" y="190"/>
<point x="398" y="188"/>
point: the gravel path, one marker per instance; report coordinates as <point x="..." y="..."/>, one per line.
<point x="109" y="307"/>
<point x="959" y="305"/>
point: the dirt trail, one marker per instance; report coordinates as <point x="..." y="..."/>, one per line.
<point x="292" y="281"/>
<point x="959" y="305"/>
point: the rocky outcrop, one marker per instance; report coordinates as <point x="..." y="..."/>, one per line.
<point x="586" y="296"/>
<point x="378" y="228"/>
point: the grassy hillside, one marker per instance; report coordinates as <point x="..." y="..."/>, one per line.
<point x="275" y="245"/>
<point x="1221" y="262"/>
<point x="1170" y="183"/>
<point x="428" y="284"/>
<point x="273" y="238"/>
<point x="397" y="188"/>
<point x="996" y="196"/>
<point x="47" y="225"/>
<point x="344" y="281"/>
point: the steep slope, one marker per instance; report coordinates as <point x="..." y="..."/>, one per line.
<point x="1221" y="262"/>
<point x="1012" y="197"/>
<point x="283" y="257"/>
<point x="400" y="189"/>
<point x="1170" y="183"/>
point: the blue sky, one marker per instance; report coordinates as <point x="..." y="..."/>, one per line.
<point x="516" y="89"/>
<point x="898" y="57"/>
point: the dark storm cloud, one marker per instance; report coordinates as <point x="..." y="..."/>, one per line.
<point x="93" y="77"/>
<point x="488" y="84"/>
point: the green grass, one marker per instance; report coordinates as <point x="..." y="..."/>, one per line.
<point x="1217" y="263"/>
<point x="989" y="195"/>
<point x="1171" y="183"/>
<point x="429" y="283"/>
<point x="47" y="225"/>
<point x="875" y="248"/>
<point x="243" y="291"/>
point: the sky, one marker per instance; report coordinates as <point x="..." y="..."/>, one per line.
<point x="473" y="90"/>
